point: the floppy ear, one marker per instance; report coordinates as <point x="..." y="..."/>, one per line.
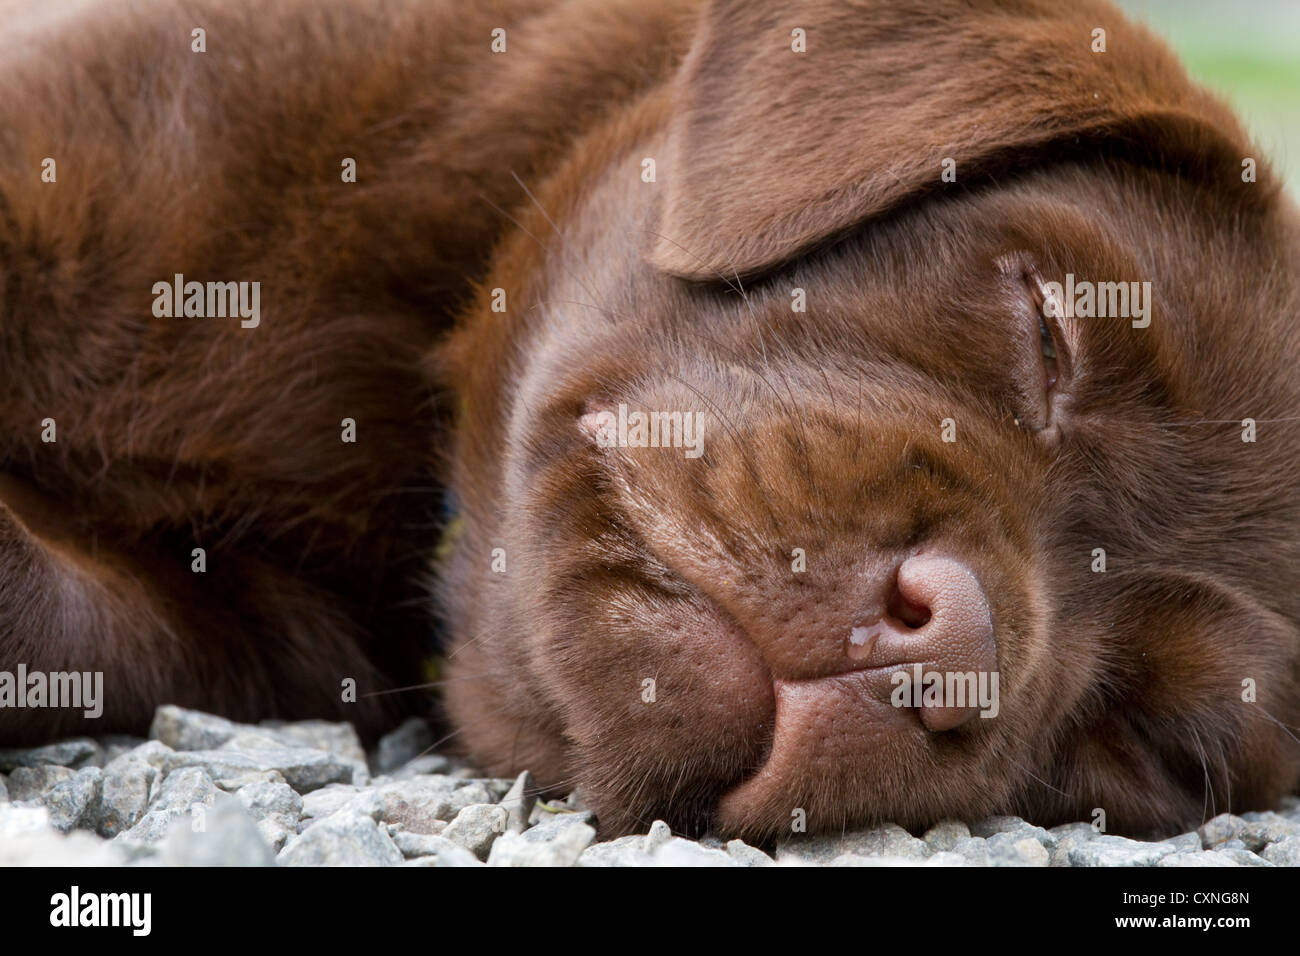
<point x="772" y="151"/>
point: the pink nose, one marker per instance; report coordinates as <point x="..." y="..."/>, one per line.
<point x="939" y="619"/>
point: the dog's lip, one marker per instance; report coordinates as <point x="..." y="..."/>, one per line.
<point x="863" y="694"/>
<point x="797" y="736"/>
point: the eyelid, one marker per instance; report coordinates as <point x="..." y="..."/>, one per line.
<point x="1064" y="328"/>
<point x="1021" y="265"/>
<point x="1026" y="284"/>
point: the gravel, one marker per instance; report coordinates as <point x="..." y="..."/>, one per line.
<point x="403" y="745"/>
<point x="205" y="791"/>
<point x="67" y="753"/>
<point x="29" y="783"/>
<point x="477" y="826"/>
<point x="349" y="837"/>
<point x="303" y="769"/>
<point x="226" y="836"/>
<point x="127" y="784"/>
<point x="519" y="802"/>
<point x="562" y="849"/>
<point x="944" y="835"/>
<point x="74" y="802"/>
<point x="276" y="807"/>
<point x="1284" y="852"/>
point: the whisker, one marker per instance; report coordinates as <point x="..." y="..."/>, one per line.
<point x="435" y="683"/>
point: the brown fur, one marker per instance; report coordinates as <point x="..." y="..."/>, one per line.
<point x="818" y="171"/>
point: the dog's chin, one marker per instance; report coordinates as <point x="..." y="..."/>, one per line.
<point x="626" y="802"/>
<point x="789" y="785"/>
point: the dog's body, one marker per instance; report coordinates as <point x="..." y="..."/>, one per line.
<point x="183" y="433"/>
<point x="732" y="212"/>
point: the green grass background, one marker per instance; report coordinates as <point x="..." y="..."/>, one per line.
<point x="1249" y="52"/>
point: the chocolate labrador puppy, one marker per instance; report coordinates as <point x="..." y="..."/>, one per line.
<point x="806" y="414"/>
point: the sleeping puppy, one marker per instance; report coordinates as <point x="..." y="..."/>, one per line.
<point x="847" y="412"/>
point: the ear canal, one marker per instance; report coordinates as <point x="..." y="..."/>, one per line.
<point x="773" y="151"/>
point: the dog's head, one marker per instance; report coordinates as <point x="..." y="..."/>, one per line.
<point x="944" y="340"/>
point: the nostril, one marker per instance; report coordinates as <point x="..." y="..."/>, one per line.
<point x="913" y="614"/>
<point x="944" y="586"/>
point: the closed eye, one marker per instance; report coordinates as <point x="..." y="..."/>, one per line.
<point x="1041" y="364"/>
<point x="1048" y="345"/>
<point x="1053" y="335"/>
